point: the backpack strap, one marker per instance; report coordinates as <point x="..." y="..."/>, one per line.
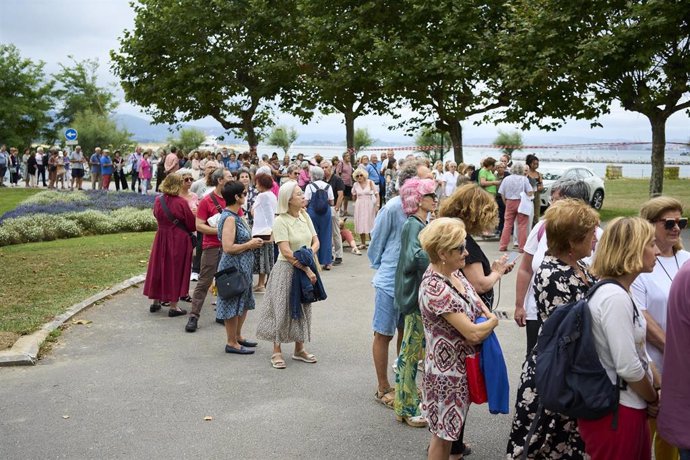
<point x="171" y="217"/>
<point x="532" y="429"/>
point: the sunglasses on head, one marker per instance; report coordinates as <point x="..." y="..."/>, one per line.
<point x="669" y="224"/>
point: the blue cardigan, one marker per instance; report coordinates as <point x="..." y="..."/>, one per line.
<point x="302" y="290"/>
<point x="495" y="374"/>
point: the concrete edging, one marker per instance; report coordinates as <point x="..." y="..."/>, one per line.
<point x="24" y="352"/>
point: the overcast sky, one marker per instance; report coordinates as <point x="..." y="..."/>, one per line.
<point x="51" y="30"/>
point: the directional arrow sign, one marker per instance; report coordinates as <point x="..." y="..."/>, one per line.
<point x="71" y="134"/>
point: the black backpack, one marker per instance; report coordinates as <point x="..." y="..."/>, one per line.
<point x="319" y="200"/>
<point x="569" y="376"/>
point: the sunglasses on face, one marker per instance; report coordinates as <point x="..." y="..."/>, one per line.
<point x="669" y="224"/>
<point x="461" y="248"/>
<point x="430" y="195"/>
<point x="188" y="179"/>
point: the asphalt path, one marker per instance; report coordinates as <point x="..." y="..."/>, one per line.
<point x="134" y="385"/>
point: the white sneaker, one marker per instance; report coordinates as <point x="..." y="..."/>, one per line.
<point x="395" y="365"/>
<point x="194" y="277"/>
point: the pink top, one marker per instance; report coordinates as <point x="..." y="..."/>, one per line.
<point x="145" y="169"/>
<point x="193" y="201"/>
<point x="345" y="170"/>
<point x="303" y="178"/>
<point x="675" y="396"/>
<point x="172" y="163"/>
<point x="276" y="188"/>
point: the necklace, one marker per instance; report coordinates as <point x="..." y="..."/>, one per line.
<point x="675" y="256"/>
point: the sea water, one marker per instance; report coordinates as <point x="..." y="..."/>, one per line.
<point x="635" y="163"/>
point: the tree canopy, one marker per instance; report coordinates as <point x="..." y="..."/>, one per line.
<point x="283" y="137"/>
<point x="582" y="56"/>
<point x="508" y="142"/>
<point x="188" y="139"/>
<point x="439" y="140"/>
<point x="362" y="139"/>
<point x="225" y="59"/>
<point x="98" y="130"/>
<point x="26" y="95"/>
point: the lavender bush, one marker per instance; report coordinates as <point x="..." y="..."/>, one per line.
<point x="54" y="202"/>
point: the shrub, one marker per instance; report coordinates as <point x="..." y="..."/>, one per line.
<point x="54" y="196"/>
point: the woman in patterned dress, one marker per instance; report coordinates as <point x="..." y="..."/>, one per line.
<point x="562" y="278"/>
<point x="292" y="230"/>
<point x="238" y="245"/>
<point x="449" y="306"/>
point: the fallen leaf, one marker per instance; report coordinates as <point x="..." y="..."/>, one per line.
<point x="81" y="321"/>
<point x="65" y="417"/>
<point x="208" y="418"/>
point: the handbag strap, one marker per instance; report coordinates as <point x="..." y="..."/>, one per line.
<point x="215" y="202"/>
<point x="171" y="217"/>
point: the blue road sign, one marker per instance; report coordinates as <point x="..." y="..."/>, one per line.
<point x="71" y="134"/>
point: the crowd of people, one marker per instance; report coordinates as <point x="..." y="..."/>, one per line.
<point x="221" y="222"/>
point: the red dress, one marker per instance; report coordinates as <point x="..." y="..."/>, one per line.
<point x="170" y="263"/>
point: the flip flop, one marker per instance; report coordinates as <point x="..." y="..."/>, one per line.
<point x="277" y="361"/>
<point x="240" y="351"/>
<point x="305" y="357"/>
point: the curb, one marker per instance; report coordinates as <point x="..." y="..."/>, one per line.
<point x="24" y="352"/>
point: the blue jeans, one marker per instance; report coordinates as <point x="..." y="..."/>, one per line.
<point x="684" y="454"/>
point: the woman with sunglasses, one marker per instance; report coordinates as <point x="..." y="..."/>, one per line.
<point x="418" y="200"/>
<point x="651" y="290"/>
<point x="449" y="306"/>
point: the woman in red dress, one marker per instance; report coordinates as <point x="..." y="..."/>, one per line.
<point x="170" y="263"/>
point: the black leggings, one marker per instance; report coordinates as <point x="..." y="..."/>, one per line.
<point x="532" y="334"/>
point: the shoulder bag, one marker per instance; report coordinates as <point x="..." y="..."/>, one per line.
<point x="176" y="221"/>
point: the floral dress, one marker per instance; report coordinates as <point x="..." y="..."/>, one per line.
<point x="445" y="395"/>
<point x="556" y="435"/>
<point x="243" y="261"/>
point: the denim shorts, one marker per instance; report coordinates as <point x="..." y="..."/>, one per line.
<point x="387" y="318"/>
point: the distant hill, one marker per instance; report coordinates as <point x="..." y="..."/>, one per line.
<point x="145" y="131"/>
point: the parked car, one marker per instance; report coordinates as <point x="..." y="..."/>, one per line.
<point x="595" y="183"/>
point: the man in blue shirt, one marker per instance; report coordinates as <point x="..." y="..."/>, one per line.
<point x="383" y="253"/>
<point x="106" y="169"/>
<point x="95" y="164"/>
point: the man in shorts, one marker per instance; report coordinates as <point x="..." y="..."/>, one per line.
<point x="95" y="163"/>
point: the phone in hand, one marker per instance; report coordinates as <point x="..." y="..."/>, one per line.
<point x="512" y="257"/>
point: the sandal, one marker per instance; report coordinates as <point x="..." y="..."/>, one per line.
<point x="356" y="251"/>
<point x="259" y="289"/>
<point x="277" y="361"/>
<point x="387" y="398"/>
<point x="304" y="357"/>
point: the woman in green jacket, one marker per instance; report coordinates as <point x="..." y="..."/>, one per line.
<point x="418" y="200"/>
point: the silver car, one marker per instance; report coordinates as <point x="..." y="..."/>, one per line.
<point x="595" y="183"/>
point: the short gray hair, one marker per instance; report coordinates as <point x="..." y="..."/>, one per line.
<point x="292" y="168"/>
<point x="316" y="173"/>
<point x="408" y="171"/>
<point x="570" y="188"/>
<point x="326" y="163"/>
<point x="518" y="168"/>
<point x="185" y="172"/>
<point x="216" y="176"/>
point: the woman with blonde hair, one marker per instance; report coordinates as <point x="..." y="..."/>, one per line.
<point x="651" y="290"/>
<point x="280" y="322"/>
<point x="366" y="196"/>
<point x="478" y="210"/>
<point x="170" y="262"/>
<point x="627" y="249"/>
<point x="562" y="278"/>
<point x="344" y="169"/>
<point x="449" y="306"/>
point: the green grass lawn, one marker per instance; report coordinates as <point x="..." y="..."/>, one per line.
<point x="624" y="197"/>
<point x="43" y="279"/>
<point x="11" y="197"/>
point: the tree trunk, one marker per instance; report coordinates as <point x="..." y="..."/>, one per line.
<point x="350" y="129"/>
<point x="656" y="183"/>
<point x="250" y="132"/>
<point x="455" y="131"/>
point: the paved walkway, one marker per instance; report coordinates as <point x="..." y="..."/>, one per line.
<point x="134" y="385"/>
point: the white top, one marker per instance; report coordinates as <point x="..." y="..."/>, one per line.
<point x="320" y="184"/>
<point x="451" y="180"/>
<point x="265" y="207"/>
<point x="619" y="341"/>
<point x="76" y="159"/>
<point x="650" y="291"/>
<point x="537" y="248"/>
<point x="513" y="185"/>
